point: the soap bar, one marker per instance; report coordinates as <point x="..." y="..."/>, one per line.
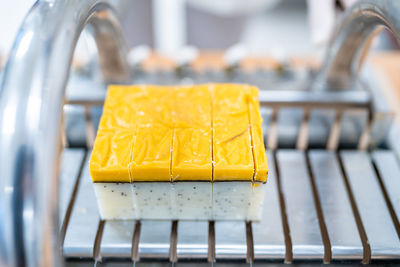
<point x="192" y="155"/>
<point x="151" y="154"/>
<point x="155" y="107"/>
<point x="260" y="158"/>
<point x="233" y="156"/>
<point x="119" y="112"/>
<point x="180" y="153"/>
<point x="193" y="107"/>
<point x="111" y="160"/>
<point x="192" y="144"/>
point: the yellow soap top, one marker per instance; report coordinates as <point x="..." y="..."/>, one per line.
<point x="208" y="132"/>
<point x="111" y="156"/>
<point x="192" y="142"/>
<point x="233" y="158"/>
<point x="150" y="159"/>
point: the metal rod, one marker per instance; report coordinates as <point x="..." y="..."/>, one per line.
<point x="272" y="137"/>
<point x="211" y="242"/>
<point x="334" y="134"/>
<point x="250" y="243"/>
<point x="280" y="98"/>
<point x="302" y="138"/>
<point x="361" y="229"/>
<point x="135" y="242"/>
<point x="321" y="218"/>
<point x="89" y="128"/>
<point x="173" y="242"/>
<point x="363" y="142"/>
<point x="343" y="59"/>
<point x="285" y="224"/>
<point x="63" y="134"/>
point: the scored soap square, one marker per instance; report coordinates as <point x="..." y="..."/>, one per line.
<point x="111" y="156"/>
<point x="193" y="107"/>
<point x="233" y="157"/>
<point x="192" y="144"/>
<point x="151" y="154"/>
<point x="118" y="110"/>
<point x="192" y="155"/>
<point x="156" y="106"/>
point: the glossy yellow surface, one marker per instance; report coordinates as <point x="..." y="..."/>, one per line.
<point x="260" y="158"/>
<point x="118" y="110"/>
<point x="151" y="154"/>
<point x="111" y="156"/>
<point x="192" y="144"/>
<point x="155" y="108"/>
<point x="159" y="133"/>
<point x="233" y="157"/>
<point x="192" y="158"/>
<point x="193" y="107"/>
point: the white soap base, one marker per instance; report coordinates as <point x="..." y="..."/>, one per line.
<point x="180" y="200"/>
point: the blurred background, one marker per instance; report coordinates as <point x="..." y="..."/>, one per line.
<point x="282" y="28"/>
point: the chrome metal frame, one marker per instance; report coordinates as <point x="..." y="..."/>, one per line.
<point x="31" y="100"/>
<point x="343" y="59"/>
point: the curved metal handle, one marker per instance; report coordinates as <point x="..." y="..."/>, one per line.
<point x="342" y="61"/>
<point x="31" y="98"/>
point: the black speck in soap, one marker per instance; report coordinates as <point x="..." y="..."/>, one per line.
<point x="194" y="187"/>
<point x="151" y="191"/>
<point x="188" y="198"/>
<point x="112" y="191"/>
<point x="105" y="186"/>
<point x="159" y="199"/>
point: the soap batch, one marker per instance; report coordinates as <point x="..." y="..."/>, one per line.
<point x="180" y="152"/>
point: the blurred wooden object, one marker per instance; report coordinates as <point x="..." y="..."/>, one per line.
<point x="387" y="66"/>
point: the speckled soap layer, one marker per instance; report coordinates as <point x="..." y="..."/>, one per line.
<point x="181" y="200"/>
